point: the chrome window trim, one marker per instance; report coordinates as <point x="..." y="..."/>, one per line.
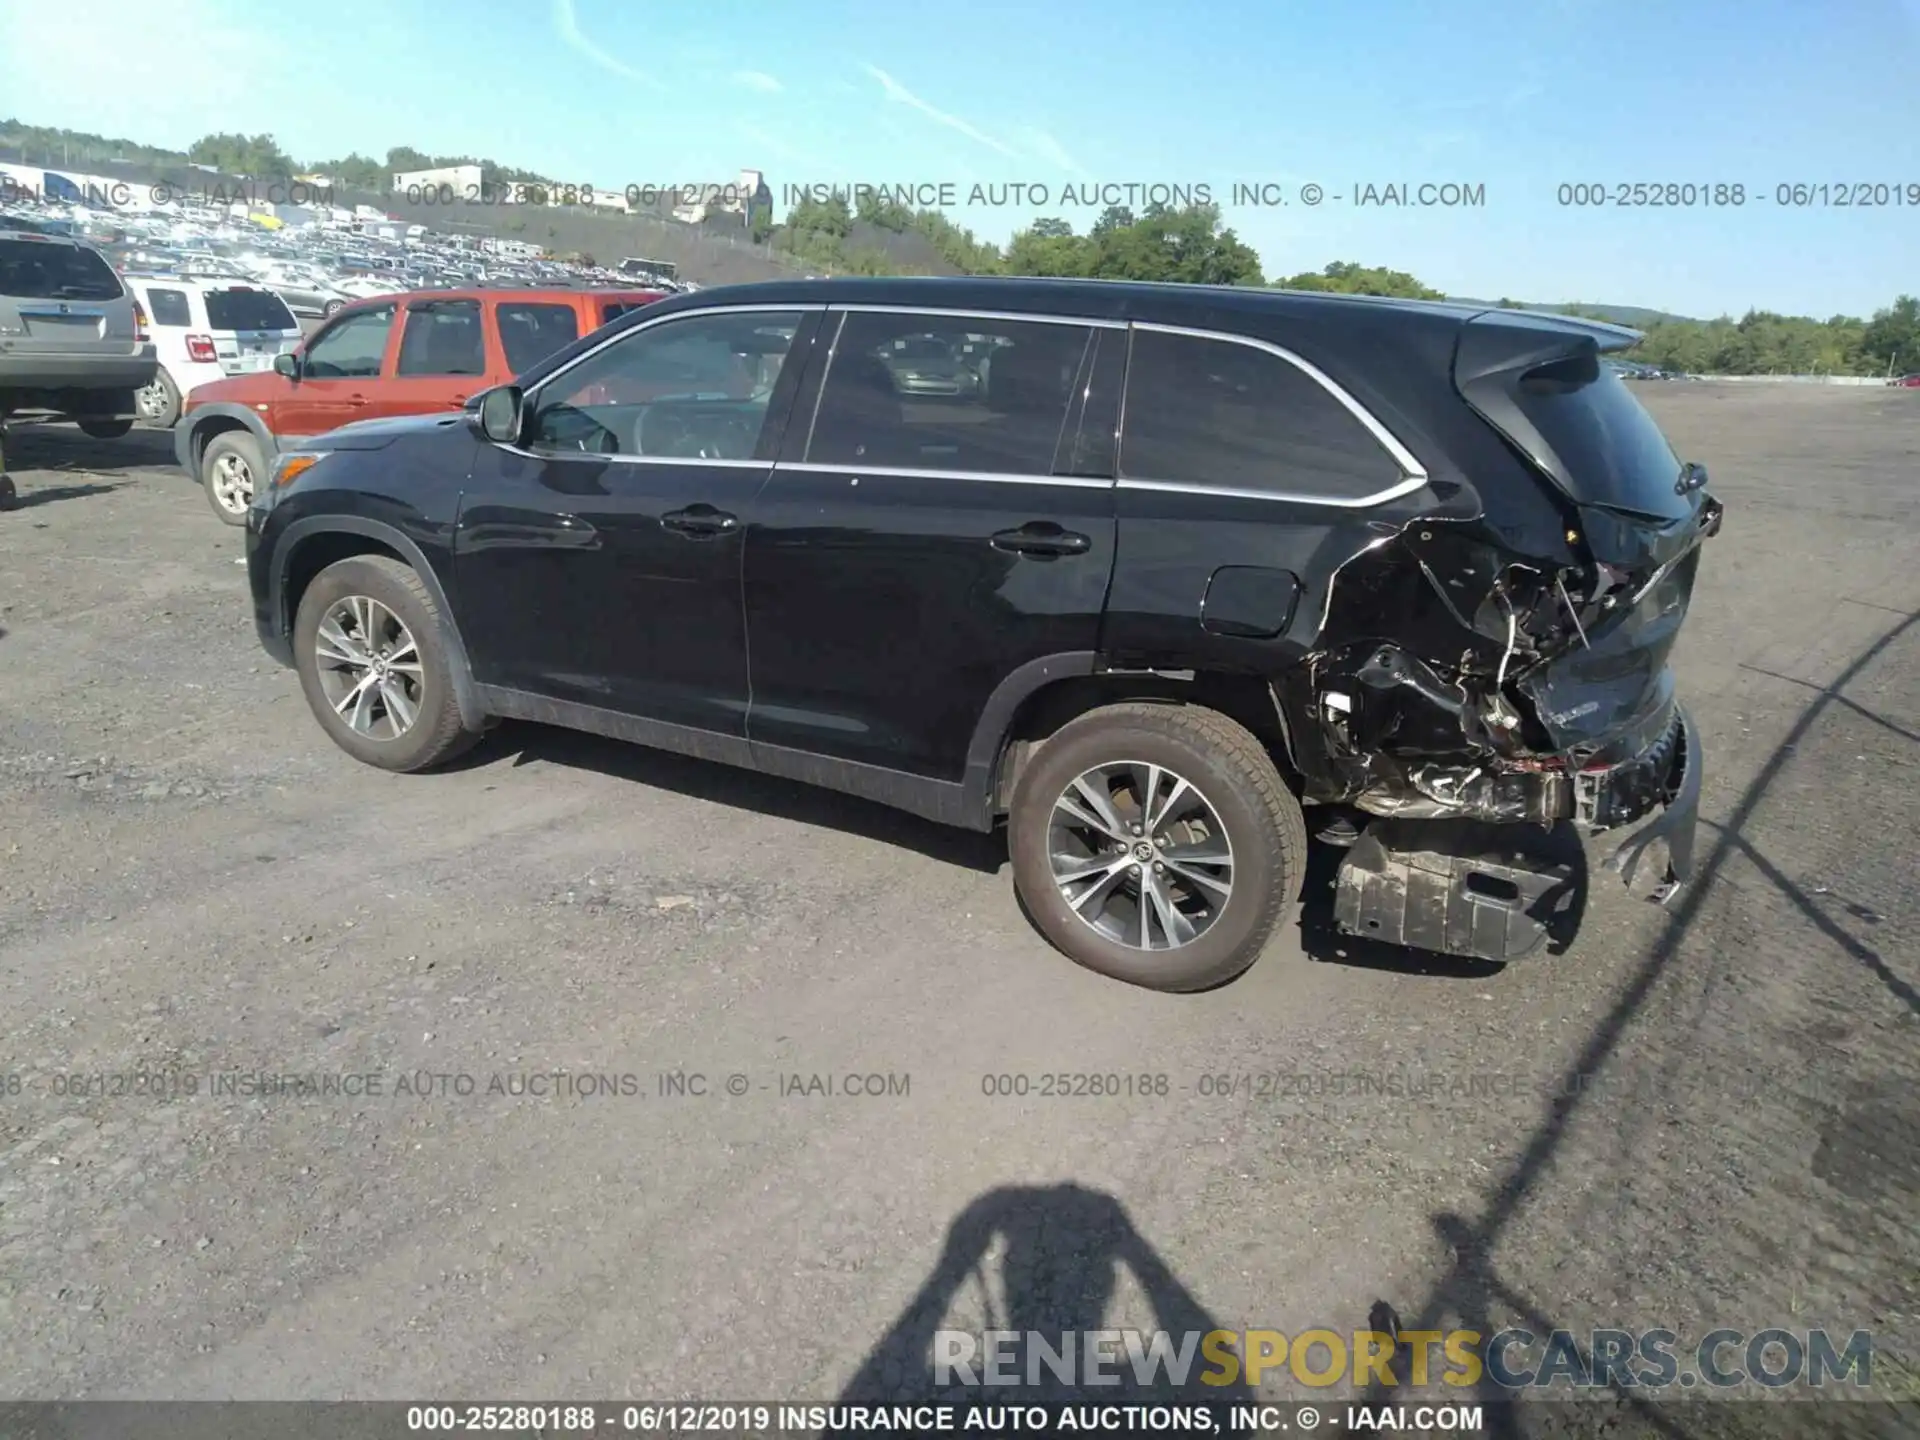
<point x="709" y="462"/>
<point x="945" y="313"/>
<point x="1415" y="473"/>
<point x="903" y="472"/>
<point x="1285" y="497"/>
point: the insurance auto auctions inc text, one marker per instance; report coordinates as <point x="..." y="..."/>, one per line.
<point x="1515" y="1360"/>
<point x="1394" y="193"/>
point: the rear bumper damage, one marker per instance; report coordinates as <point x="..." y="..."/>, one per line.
<point x="1501" y="891"/>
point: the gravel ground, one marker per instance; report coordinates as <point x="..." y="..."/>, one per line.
<point x="1689" y="1121"/>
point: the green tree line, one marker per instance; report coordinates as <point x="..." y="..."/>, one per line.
<point x="1192" y="245"/>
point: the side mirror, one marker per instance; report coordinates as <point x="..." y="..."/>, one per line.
<point x="501" y="414"/>
<point x="288" y="364"/>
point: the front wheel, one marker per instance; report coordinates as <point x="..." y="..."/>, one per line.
<point x="367" y="644"/>
<point x="230" y="467"/>
<point x="1156" y="844"/>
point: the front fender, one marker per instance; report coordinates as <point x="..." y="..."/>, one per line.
<point x="191" y="434"/>
<point x="473" y="716"/>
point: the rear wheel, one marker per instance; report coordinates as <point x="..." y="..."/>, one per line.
<point x="367" y="643"/>
<point x="230" y="467"/>
<point x="1156" y="844"/>
<point x="159" y="402"/>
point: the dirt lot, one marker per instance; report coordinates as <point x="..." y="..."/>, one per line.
<point x="1708" y="1119"/>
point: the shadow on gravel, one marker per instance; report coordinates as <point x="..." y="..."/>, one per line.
<point x="67" y="448"/>
<point x="525" y="742"/>
<point x="1058" y="1251"/>
<point x="48" y="495"/>
<point x="1473" y="1287"/>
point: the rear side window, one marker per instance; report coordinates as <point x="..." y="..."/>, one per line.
<point x="927" y="392"/>
<point x="1604" y="436"/>
<point x="169" y="307"/>
<point x="529" y="333"/>
<point x="614" y="309"/>
<point x="248" y="310"/>
<point x="443" y="338"/>
<point x="39" y="270"/>
<point x="1214" y="413"/>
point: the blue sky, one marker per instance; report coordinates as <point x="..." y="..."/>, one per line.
<point x="1516" y="97"/>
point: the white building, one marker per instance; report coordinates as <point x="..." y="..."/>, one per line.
<point x="449" y="184"/>
<point x="743" y="199"/>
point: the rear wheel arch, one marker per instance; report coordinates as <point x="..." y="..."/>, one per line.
<point x="1043" y="709"/>
<point x="311" y="545"/>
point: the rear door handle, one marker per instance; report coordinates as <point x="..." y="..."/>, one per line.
<point x="356" y="400"/>
<point x="700" y="520"/>
<point x="1042" y="537"/>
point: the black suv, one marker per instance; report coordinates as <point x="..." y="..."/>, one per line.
<point x="1152" y="573"/>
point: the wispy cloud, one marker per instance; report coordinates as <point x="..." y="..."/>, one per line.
<point x="767" y="145"/>
<point x="757" y="80"/>
<point x="568" y="25"/>
<point x="1046" y="148"/>
<point x="901" y="95"/>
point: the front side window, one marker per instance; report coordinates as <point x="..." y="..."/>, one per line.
<point x="698" y="387"/>
<point x="169" y="307"/>
<point x="350" y="349"/>
<point x="443" y="337"/>
<point x="926" y="392"/>
<point x="1211" y="412"/>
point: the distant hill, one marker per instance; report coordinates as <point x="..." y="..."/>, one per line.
<point x="1636" y="316"/>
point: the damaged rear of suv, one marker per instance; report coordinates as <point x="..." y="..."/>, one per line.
<point x="1511" y="667"/>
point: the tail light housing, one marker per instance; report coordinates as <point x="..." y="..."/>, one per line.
<point x="140" y="335"/>
<point x="200" y="348"/>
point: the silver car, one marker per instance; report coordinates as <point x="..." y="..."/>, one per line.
<point x="73" y="341"/>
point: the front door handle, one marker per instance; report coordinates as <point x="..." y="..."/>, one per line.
<point x="1042" y="537"/>
<point x="700" y="520"/>
<point x="356" y="400"/>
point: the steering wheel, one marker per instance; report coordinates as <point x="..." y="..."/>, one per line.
<point x="672" y="433"/>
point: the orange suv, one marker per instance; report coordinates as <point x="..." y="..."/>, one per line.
<point x="405" y="354"/>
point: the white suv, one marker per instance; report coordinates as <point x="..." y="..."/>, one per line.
<point x="207" y="330"/>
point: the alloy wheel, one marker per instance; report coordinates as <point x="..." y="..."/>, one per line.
<point x="151" y="401"/>
<point x="232" y="483"/>
<point x="369" y="667"/>
<point x="1140" y="854"/>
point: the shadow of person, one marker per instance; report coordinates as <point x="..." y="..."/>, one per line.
<point x="1061" y="1250"/>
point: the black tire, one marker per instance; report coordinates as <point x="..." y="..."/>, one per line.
<point x="106" y="429"/>
<point x="333" y="307"/>
<point x="1222" y="759"/>
<point x="166" y="414"/>
<point x="436" y="734"/>
<point x="238" y="449"/>
<point x="9" y="496"/>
